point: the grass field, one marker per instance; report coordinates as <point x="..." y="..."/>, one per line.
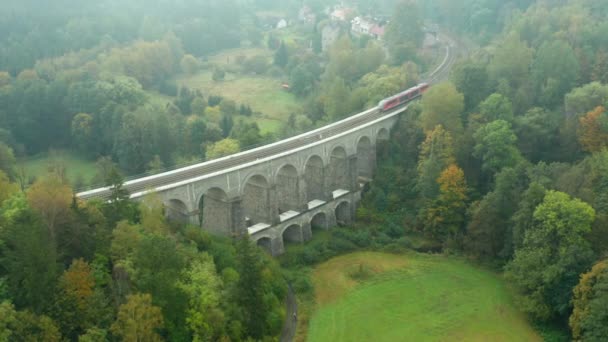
<point x="75" y="166"/>
<point x="413" y="297"/>
<point x="264" y="94"/>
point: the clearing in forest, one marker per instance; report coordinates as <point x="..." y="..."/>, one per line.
<point x="414" y="297"/>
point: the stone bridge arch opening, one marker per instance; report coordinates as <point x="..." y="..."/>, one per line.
<point x="214" y="211"/>
<point x="365" y="158"/>
<point x="265" y="243"/>
<point x="319" y="222"/>
<point x="338" y="169"/>
<point x="382" y="143"/>
<point x="287" y="189"/>
<point x="256" y="201"/>
<point x="292" y="234"/>
<point x="343" y="215"/>
<point x="177" y="211"/>
<point x="314" y="176"/>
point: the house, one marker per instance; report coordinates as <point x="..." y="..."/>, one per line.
<point x="282" y="24"/>
<point x="367" y="26"/>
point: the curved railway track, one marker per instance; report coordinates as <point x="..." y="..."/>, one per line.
<point x="138" y="186"/>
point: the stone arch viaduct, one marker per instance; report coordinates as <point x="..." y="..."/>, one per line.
<point x="284" y="191"/>
<point x="277" y="193"/>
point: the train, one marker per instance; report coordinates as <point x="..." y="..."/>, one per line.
<point x="403" y="97"/>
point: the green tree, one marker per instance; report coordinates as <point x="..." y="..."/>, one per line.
<point x="404" y="28"/>
<point x="443" y="105"/>
<point x="82" y="132"/>
<point x="537" y="132"/>
<point x="554" y="253"/>
<point x="554" y="71"/>
<point x="7" y="160"/>
<point x="472" y="80"/>
<point x="222" y="148"/>
<point x="584" y="99"/>
<point x="496" y="107"/>
<point x="189" y="64"/>
<point x="138" y="320"/>
<point x="29" y="257"/>
<point x="250" y="289"/>
<point x="281" y="57"/>
<point x="495" y="146"/>
<point x="203" y="287"/>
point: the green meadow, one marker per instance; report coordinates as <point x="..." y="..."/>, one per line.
<point x="414" y="297"/>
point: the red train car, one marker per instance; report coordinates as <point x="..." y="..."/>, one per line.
<point x="403" y="97"/>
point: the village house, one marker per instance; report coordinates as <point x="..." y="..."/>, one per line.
<point x="367" y="26"/>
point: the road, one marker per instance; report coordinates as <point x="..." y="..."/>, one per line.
<point x="291" y="321"/>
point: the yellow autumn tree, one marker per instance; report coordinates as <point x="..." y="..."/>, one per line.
<point x="51" y="198"/>
<point x="138" y="320"/>
<point x="445" y="218"/>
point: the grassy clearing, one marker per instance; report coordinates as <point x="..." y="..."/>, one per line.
<point x="76" y="167"/>
<point x="413" y="297"/>
<point x="264" y="94"/>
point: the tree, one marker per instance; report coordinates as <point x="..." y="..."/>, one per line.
<point x="189" y="64"/>
<point x="554" y="253"/>
<point x="301" y="81"/>
<point x="29" y="256"/>
<point x="281" y="57"/>
<point x="404" y="28"/>
<point x="73" y="303"/>
<point x="336" y="104"/>
<point x="202" y="285"/>
<point x="584" y="99"/>
<point x="51" y="198"/>
<point x="138" y="320"/>
<point x="537" y="131"/>
<point x="152" y="216"/>
<point x="489" y="230"/>
<point x="593" y="132"/>
<point x="511" y="62"/>
<point x="472" y="80"/>
<point x="588" y="319"/>
<point x="247" y="134"/>
<point x="218" y="74"/>
<point x="31" y="327"/>
<point x="82" y="132"/>
<point x="445" y="218"/>
<point x="495" y="146"/>
<point x="496" y="107"/>
<point x="436" y="154"/>
<point x="7" y="160"/>
<point x="125" y="238"/>
<point x="554" y="71"/>
<point x="7" y="189"/>
<point x="222" y="148"/>
<point x="250" y="289"/>
<point x="442" y="105"/>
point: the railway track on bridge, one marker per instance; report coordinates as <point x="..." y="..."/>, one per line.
<point x="141" y="185"/>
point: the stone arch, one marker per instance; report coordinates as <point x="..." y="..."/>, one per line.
<point x="256" y="200"/>
<point x="287" y="188"/>
<point x="343" y="214"/>
<point x="365" y="158"/>
<point x="314" y="176"/>
<point x="292" y="233"/>
<point x="319" y="221"/>
<point x="382" y="139"/>
<point x="265" y="243"/>
<point x="383" y="134"/>
<point x="338" y="169"/>
<point x="214" y="211"/>
<point x="177" y="211"/>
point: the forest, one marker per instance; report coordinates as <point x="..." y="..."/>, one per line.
<point x="505" y="163"/>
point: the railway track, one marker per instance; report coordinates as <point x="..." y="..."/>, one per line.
<point x="141" y="185"/>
